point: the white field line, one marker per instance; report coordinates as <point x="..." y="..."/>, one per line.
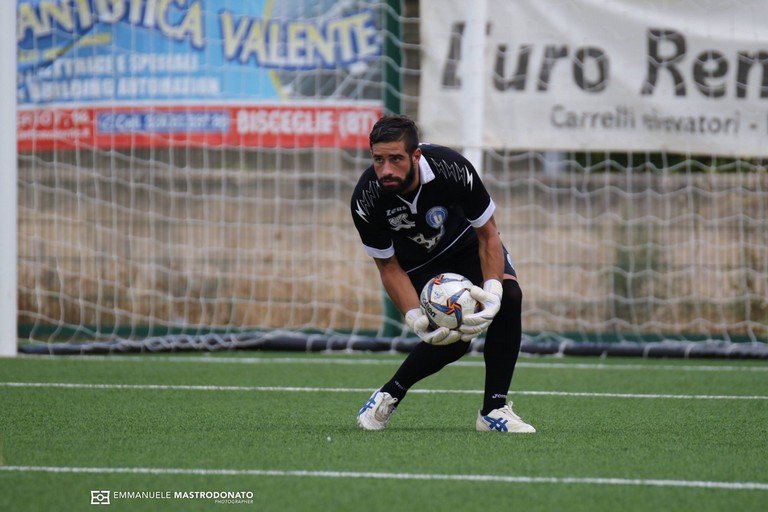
<point x="290" y="389"/>
<point x="741" y="486"/>
<point x="319" y="359"/>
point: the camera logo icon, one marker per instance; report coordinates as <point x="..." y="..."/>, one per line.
<point x="99" y="497"/>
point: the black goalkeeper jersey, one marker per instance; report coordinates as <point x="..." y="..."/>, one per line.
<point x="433" y="222"/>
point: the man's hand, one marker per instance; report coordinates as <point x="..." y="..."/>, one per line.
<point x="418" y="322"/>
<point x="489" y="296"/>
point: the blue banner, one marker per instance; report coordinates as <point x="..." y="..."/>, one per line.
<point x="124" y="52"/>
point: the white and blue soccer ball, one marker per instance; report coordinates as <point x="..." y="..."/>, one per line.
<point x="445" y="299"/>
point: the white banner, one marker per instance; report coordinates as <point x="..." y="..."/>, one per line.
<point x="600" y="75"/>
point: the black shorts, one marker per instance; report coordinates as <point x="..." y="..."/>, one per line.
<point x="466" y="263"/>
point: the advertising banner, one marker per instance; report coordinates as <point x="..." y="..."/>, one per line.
<point x="177" y="72"/>
<point x="602" y="75"/>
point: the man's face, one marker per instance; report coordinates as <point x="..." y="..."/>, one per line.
<point x="395" y="169"/>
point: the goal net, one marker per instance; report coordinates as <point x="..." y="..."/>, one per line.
<point x="185" y="168"/>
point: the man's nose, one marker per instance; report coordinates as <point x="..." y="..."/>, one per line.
<point x="389" y="168"/>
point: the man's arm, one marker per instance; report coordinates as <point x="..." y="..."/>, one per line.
<point x="406" y="299"/>
<point x="491" y="251"/>
<point x="397" y="284"/>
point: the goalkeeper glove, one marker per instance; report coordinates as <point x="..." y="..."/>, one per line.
<point x="489" y="296"/>
<point x="418" y="322"/>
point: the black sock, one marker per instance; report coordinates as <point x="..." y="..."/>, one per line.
<point x="423" y="361"/>
<point x="502" y="346"/>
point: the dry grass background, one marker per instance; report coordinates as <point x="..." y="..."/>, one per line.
<point x="103" y="243"/>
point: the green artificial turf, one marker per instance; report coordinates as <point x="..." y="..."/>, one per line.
<point x="613" y="434"/>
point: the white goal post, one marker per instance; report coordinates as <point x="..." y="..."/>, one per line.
<point x="8" y="231"/>
<point x="183" y="183"/>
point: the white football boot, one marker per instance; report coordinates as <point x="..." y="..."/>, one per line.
<point x="502" y="419"/>
<point x="376" y="412"/>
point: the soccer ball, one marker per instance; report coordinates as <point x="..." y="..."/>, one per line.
<point x="445" y="300"/>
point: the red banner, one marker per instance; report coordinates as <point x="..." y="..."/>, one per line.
<point x="228" y="126"/>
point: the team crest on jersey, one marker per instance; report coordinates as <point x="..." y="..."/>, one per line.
<point x="436" y="216"/>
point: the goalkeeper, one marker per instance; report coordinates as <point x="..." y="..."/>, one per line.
<point x="421" y="210"/>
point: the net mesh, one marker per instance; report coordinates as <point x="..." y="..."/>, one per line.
<point x="147" y="241"/>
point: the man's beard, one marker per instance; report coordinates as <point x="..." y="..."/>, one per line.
<point x="400" y="185"/>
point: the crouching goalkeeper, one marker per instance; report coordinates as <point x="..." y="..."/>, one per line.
<point x="421" y="210"/>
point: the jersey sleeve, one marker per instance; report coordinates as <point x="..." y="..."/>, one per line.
<point x="473" y="196"/>
<point x="485" y="216"/>
<point x="375" y="238"/>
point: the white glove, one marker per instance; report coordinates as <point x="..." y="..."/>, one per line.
<point x="489" y="296"/>
<point x="418" y="322"/>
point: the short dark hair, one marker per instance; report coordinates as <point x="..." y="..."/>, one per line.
<point x="395" y="128"/>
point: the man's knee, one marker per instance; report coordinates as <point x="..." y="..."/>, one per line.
<point x="511" y="292"/>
